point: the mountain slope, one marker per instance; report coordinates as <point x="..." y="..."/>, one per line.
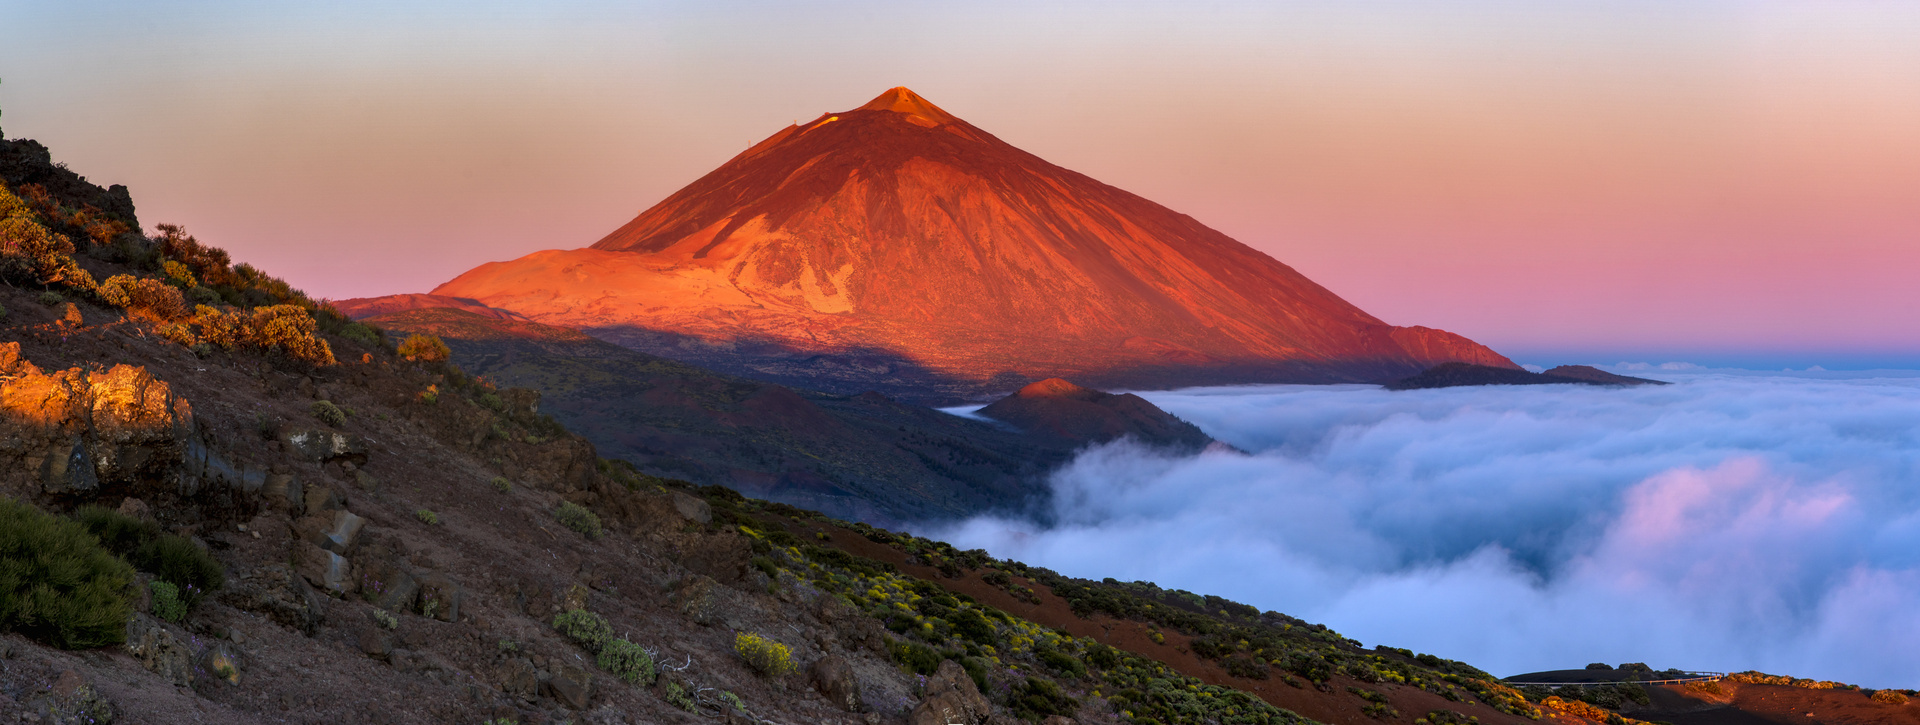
<point x="859" y="457"/>
<point x="897" y="245"/>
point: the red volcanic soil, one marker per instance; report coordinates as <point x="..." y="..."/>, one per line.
<point x="900" y="228"/>
<point x="1751" y="704"/>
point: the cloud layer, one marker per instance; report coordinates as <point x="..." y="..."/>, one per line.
<point x="1721" y="523"/>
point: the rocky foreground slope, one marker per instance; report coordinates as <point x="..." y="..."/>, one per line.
<point x="896" y="247"/>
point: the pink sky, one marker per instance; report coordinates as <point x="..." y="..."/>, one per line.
<point x="1564" y="183"/>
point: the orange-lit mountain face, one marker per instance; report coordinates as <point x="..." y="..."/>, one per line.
<point x="897" y="246"/>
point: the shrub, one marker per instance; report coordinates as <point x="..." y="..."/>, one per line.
<point x="329" y="413"/>
<point x="678" y="697"/>
<point x="204" y="296"/>
<point x="577" y="517"/>
<point x="361" y="333"/>
<point x="166" y="601"/>
<point x="585" y="628"/>
<point x="386" y="619"/>
<point x="1040" y="698"/>
<point x="501" y="484"/>
<point x="143" y="297"/>
<point x="917" y="658"/>
<point x="173" y="559"/>
<point x="57" y="584"/>
<point x="288" y="329"/>
<point x="51" y="298"/>
<point x="427" y="517"/>
<point x="1060" y="662"/>
<point x="627" y="661"/>
<point x="764" y="655"/>
<point x="32" y="253"/>
<point x="1890" y="697"/>
<point x="424" y="348"/>
<point x="178" y="274"/>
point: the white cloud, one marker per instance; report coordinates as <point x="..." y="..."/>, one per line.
<point x="1721" y="523"/>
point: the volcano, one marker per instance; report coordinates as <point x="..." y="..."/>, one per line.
<point x="897" y="247"/>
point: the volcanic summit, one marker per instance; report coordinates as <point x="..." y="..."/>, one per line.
<point x="898" y="247"/>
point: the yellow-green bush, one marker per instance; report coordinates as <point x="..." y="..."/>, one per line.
<point x="57" y="584"/>
<point x="424" y="348"/>
<point x="577" y="517"/>
<point x="627" y="661"/>
<point x="764" y="655"/>
<point x="32" y="253"/>
<point x="587" y="629"/>
<point x="143" y="297"/>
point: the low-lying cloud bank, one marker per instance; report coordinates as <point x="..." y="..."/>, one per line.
<point x="1721" y="523"/>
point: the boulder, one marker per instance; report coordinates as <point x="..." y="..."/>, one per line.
<point x="951" y="699"/>
<point x="317" y="500"/>
<point x="692" y="509"/>
<point x="283" y="493"/>
<point x="518" y="678"/>
<point x="158" y="650"/>
<point x="323" y="569"/>
<point x="441" y="597"/>
<point x="279" y="593"/>
<point x="389" y="585"/>
<point x="697" y="598"/>
<point x="343" y="532"/>
<point x="571" y="685"/>
<point x="324" y="446"/>
<point x="374" y="641"/>
<point x="833" y="677"/>
<point x="71" y="701"/>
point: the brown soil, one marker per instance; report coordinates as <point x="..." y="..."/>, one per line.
<point x="1772" y="705"/>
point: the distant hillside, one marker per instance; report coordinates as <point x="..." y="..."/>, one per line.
<point x="861" y="457"/>
<point x="1449" y="375"/>
<point x="1057" y="409"/>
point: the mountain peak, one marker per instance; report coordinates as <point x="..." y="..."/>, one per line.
<point x="900" y="99"/>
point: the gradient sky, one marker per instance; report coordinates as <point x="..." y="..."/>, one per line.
<point x="1721" y="182"/>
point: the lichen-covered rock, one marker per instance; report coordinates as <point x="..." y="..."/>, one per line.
<point x="158" y="650"/>
<point x="698" y="599"/>
<point x="72" y="701"/>
<point x="276" y="591"/>
<point x="325" y="445"/>
<point x="518" y="678"/>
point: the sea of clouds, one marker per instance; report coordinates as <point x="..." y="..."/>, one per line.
<point x="1726" y="522"/>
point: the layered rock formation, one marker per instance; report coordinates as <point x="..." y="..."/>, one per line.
<point x="895" y="246"/>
